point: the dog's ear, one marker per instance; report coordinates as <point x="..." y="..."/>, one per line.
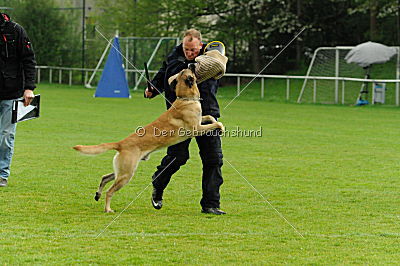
<point x="189" y="81"/>
<point x="173" y="83"/>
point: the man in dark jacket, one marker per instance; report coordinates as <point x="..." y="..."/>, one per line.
<point x="209" y="146"/>
<point x="17" y="79"/>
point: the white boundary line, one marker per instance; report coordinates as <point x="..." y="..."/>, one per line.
<point x="211" y="234"/>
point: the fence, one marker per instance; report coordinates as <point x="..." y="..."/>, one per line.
<point x="73" y="76"/>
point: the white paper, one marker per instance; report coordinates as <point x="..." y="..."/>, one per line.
<point x="23" y="110"/>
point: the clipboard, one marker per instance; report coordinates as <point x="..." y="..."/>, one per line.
<point x="22" y="113"/>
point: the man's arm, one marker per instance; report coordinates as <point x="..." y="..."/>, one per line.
<point x="27" y="58"/>
<point x="28" y="62"/>
<point x="157" y="84"/>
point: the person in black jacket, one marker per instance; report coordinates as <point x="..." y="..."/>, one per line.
<point x="17" y="79"/>
<point x="209" y="145"/>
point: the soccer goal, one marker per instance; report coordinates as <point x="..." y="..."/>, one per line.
<point x="135" y="51"/>
<point x="329" y="64"/>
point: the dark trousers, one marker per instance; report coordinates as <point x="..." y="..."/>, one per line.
<point x="211" y="157"/>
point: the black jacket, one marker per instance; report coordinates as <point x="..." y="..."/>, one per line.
<point x="17" y="60"/>
<point x="176" y="62"/>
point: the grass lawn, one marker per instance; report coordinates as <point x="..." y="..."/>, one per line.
<point x="331" y="171"/>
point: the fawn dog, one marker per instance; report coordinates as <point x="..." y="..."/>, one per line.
<point x="181" y="121"/>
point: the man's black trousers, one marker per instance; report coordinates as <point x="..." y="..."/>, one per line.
<point x="211" y="157"/>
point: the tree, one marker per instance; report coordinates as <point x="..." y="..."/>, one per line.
<point x="253" y="31"/>
<point x="382" y="18"/>
<point x="54" y="35"/>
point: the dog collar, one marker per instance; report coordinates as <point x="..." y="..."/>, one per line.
<point x="189" y="99"/>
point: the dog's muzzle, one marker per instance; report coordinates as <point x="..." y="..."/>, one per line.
<point x="192" y="67"/>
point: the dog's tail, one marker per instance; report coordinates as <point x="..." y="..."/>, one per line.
<point x="96" y="149"/>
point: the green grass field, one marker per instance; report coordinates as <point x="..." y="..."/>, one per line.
<point x="331" y="171"/>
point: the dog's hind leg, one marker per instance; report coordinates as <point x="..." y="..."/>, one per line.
<point x="125" y="164"/>
<point x="104" y="181"/>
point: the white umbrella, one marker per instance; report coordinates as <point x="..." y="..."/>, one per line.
<point x="365" y="55"/>
<point x="369" y="53"/>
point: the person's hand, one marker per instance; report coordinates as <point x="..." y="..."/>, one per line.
<point x="28" y="97"/>
<point x="147" y="93"/>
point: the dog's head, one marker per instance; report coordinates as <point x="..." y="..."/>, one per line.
<point x="185" y="83"/>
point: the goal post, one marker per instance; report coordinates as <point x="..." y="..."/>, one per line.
<point x="398" y="77"/>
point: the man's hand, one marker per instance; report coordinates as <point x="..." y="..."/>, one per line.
<point x="147" y="93"/>
<point x="28" y="97"/>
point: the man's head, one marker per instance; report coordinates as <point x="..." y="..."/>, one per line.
<point x="191" y="43"/>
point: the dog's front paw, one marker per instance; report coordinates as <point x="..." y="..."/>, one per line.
<point x="211" y="119"/>
<point x="221" y="126"/>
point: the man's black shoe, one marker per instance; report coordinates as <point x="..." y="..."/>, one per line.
<point x="3" y="182"/>
<point x="156" y="199"/>
<point x="215" y="211"/>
